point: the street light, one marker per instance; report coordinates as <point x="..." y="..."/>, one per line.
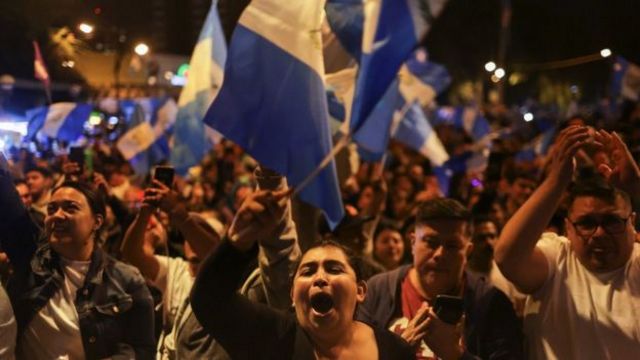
<point x="500" y="73"/>
<point x="528" y="117"/>
<point x="605" y="53"/>
<point x="490" y="66"/>
<point x="141" y="49"/>
<point x="85" y="28"/>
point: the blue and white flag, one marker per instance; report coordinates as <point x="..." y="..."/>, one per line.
<point x="422" y="79"/>
<point x="192" y="139"/>
<point x="273" y="102"/>
<point x="142" y="144"/>
<point x="392" y="29"/>
<point x="346" y="19"/>
<point x="415" y="131"/>
<point x="625" y="80"/>
<point x="63" y="121"/>
<point x="467" y="118"/>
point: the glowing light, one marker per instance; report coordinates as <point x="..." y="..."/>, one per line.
<point x="605" y="53"/>
<point x="528" y="117"/>
<point x="490" y="66"/>
<point x="95" y="119"/>
<point x="499" y="73"/>
<point x="141" y="49"/>
<point x="85" y="28"/>
<point x="494" y="78"/>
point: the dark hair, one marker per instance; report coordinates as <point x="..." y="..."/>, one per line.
<point x="598" y="188"/>
<point x="94" y="199"/>
<point x="17" y="182"/>
<point x="354" y="261"/>
<point x="513" y="173"/>
<point x="442" y="209"/>
<point x="42" y="170"/>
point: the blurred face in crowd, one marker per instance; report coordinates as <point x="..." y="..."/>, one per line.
<point x="520" y="190"/>
<point x="366" y="198"/>
<point x="38" y="183"/>
<point x="71" y="223"/>
<point x="440" y="249"/>
<point x="485" y="232"/>
<point x="241" y="193"/>
<point x="388" y="248"/>
<point x="325" y="290"/>
<point x="601" y="232"/>
<point x="25" y="195"/>
<point x="400" y="203"/>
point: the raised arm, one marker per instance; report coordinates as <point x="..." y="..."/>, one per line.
<point x="279" y="251"/>
<point x="136" y="250"/>
<point x="516" y="253"/>
<point x="245" y="329"/>
<point x="201" y="239"/>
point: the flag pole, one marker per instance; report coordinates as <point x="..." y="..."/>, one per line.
<point x="341" y="144"/>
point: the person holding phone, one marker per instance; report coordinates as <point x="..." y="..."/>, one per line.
<point x="434" y="304"/>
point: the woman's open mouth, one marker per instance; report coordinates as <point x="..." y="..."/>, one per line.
<point x="321" y="303"/>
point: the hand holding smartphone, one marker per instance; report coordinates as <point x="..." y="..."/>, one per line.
<point x="165" y="175"/>
<point x="449" y="308"/>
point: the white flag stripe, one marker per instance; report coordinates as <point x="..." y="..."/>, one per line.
<point x="136" y="140"/>
<point x="56" y="115"/>
<point x="291" y="28"/>
<point x="434" y="150"/>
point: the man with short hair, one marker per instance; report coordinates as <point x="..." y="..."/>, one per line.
<point x="403" y="299"/>
<point x="584" y="288"/>
<point x="40" y="182"/>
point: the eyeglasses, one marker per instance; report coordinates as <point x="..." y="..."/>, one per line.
<point x="611" y="224"/>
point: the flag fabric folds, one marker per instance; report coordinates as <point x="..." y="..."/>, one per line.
<point x="143" y="144"/>
<point x="392" y="29"/>
<point x="39" y="68"/>
<point x="415" y="131"/>
<point x="63" y="121"/>
<point x="468" y="118"/>
<point x="273" y="103"/>
<point x="346" y="19"/>
<point x="206" y="72"/>
<point x="625" y="80"/>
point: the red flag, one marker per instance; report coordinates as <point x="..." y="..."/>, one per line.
<point x="39" y="68"/>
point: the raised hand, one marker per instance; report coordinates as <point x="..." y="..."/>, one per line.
<point x="569" y="141"/>
<point x="622" y="171"/>
<point x="260" y="215"/>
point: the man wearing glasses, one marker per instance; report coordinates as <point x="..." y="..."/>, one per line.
<point x="584" y="289"/>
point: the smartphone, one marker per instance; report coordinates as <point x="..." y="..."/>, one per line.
<point x="449" y="308"/>
<point x="164" y="174"/>
<point x="76" y="155"/>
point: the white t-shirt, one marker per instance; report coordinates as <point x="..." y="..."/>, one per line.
<point x="8" y="327"/>
<point x="582" y="315"/>
<point x="54" y="332"/>
<point x="175" y="282"/>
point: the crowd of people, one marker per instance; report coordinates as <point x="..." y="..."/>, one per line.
<point x="528" y="258"/>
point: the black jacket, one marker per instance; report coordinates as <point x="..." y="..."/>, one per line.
<point x="249" y="330"/>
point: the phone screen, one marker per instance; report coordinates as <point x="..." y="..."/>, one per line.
<point x="164" y="174"/>
<point x="449" y="308"/>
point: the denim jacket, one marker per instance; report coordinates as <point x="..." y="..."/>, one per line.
<point x="114" y="306"/>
